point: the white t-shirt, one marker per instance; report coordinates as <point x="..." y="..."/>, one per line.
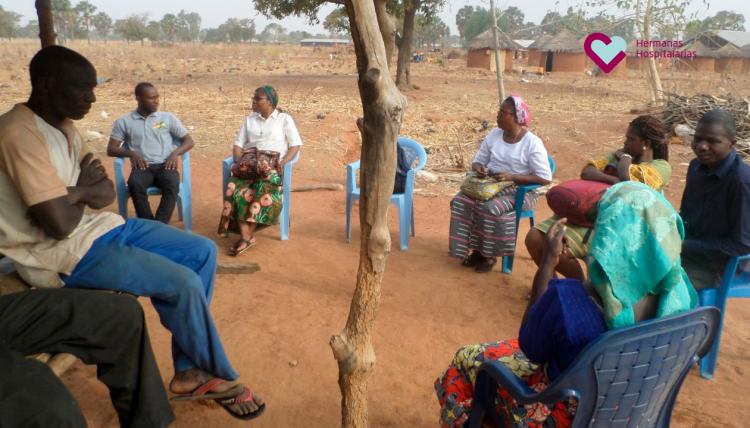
<point x="526" y="157"/>
<point x="277" y="133"/>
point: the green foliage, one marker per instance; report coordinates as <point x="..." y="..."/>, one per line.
<point x="133" y="28"/>
<point x="723" y="20"/>
<point x="337" y="22"/>
<point x="280" y="9"/>
<point x="85" y="12"/>
<point x="102" y="24"/>
<point x="233" y="30"/>
<point x="8" y="23"/>
<point x="429" y="31"/>
<point x="462" y="18"/>
<point x="479" y="22"/>
<point x="273" y="33"/>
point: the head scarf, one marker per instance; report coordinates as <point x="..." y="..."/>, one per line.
<point x="269" y="91"/>
<point x="635" y="251"/>
<point x="523" y="117"/>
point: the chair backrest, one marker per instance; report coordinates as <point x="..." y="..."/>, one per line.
<point x="630" y="377"/>
<point x="414" y="152"/>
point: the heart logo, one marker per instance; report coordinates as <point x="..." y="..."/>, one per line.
<point x="606" y="52"/>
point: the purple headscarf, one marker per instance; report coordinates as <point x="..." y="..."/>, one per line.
<point x="523" y="116"/>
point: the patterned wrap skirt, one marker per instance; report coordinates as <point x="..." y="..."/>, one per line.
<point x="485" y="226"/>
<point x="455" y="389"/>
<point x="253" y="201"/>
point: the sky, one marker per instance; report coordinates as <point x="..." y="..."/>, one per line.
<point x="214" y="13"/>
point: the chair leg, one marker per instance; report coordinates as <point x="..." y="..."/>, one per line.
<point x="180" y="215"/>
<point x="187" y="214"/>
<point x="413" y="229"/>
<point x="122" y="203"/>
<point x="284" y="224"/>
<point x="708" y="362"/>
<point x="508" y="264"/>
<point x="349" y="217"/>
<point x="403" y="225"/>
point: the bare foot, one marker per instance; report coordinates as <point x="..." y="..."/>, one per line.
<point x="185" y="382"/>
<point x="243" y="404"/>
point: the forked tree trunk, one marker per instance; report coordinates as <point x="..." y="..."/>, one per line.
<point x="387" y="29"/>
<point x="383" y="107"/>
<point x="46" y="26"/>
<point x="654" y="79"/>
<point x="403" y="67"/>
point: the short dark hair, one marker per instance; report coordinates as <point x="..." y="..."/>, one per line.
<point x="721" y="117"/>
<point x="651" y="129"/>
<point x="140" y="87"/>
<point x="55" y="61"/>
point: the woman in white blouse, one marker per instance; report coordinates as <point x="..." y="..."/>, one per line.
<point x="266" y="141"/>
<point x="481" y="231"/>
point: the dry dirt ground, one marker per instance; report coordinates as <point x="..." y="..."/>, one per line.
<point x="276" y="322"/>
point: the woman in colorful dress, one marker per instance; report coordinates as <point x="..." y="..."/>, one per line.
<point x="481" y="231"/>
<point x="565" y="315"/>
<point x="644" y="158"/>
<point x="266" y="141"/>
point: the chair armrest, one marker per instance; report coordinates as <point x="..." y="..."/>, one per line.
<point x="351" y="176"/>
<point x="493" y="373"/>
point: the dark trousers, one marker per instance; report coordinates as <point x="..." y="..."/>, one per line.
<point x="155" y="175"/>
<point x="99" y="328"/>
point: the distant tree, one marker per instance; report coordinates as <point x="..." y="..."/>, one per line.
<point x="190" y="27"/>
<point x="30" y="30"/>
<point x="213" y="35"/>
<point x="85" y="12"/>
<point x="64" y="18"/>
<point x="462" y="18"/>
<point x="154" y="31"/>
<point x="233" y="30"/>
<point x="723" y="20"/>
<point x="479" y="22"/>
<point x="272" y="33"/>
<point x="337" y="22"/>
<point x="511" y="20"/>
<point x="102" y="24"/>
<point x="8" y="23"/>
<point x="552" y="22"/>
<point x="296" y="36"/>
<point x="133" y="28"/>
<point x="170" y="26"/>
<point x="429" y="31"/>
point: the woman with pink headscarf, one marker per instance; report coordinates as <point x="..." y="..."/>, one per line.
<point x="481" y="231"/>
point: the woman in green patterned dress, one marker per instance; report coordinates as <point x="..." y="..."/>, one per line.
<point x="266" y="141"/>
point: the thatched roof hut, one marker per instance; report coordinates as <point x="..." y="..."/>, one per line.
<point x="482" y="50"/>
<point x="746" y="58"/>
<point x="704" y="59"/>
<point x="563" y="53"/>
<point x="535" y="54"/>
<point x="730" y="59"/>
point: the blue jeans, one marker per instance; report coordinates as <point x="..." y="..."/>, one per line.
<point x="176" y="270"/>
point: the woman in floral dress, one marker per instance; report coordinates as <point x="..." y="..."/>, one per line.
<point x="266" y="141"/>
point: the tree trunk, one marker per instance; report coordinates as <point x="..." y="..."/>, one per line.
<point x="403" y="67"/>
<point x="46" y="26"/>
<point x="387" y="29"/>
<point x="654" y="79"/>
<point x="383" y="107"/>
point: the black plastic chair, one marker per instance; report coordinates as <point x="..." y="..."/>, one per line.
<point x="628" y="377"/>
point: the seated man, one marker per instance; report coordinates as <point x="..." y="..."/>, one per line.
<point x="146" y="136"/>
<point x="715" y="202"/>
<point x="48" y="177"/>
<point x="105" y="329"/>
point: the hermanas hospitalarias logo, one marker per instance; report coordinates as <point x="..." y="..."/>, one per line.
<point x="605" y="51"/>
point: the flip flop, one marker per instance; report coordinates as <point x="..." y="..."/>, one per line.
<point x="248" y="243"/>
<point x="244" y="396"/>
<point x="204" y="392"/>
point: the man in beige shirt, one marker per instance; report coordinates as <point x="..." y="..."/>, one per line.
<point x="47" y="178"/>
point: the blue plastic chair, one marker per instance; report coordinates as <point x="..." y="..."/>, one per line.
<point x="521" y="213"/>
<point x="629" y="377"/>
<point x="184" y="206"/>
<point x="404" y="201"/>
<point x="733" y="284"/>
<point x="286" y="199"/>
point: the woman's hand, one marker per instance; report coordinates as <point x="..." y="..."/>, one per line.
<point x="555" y="243"/>
<point x="503" y="176"/>
<point x="480" y="169"/>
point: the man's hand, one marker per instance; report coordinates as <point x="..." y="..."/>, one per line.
<point x="92" y="171"/>
<point x="138" y="161"/>
<point x="170" y="163"/>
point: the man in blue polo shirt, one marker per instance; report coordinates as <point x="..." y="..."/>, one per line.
<point x="147" y="136"/>
<point x="716" y="201"/>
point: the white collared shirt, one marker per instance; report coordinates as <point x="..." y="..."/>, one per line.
<point x="277" y="133"/>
